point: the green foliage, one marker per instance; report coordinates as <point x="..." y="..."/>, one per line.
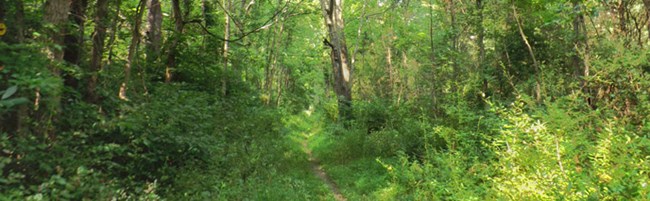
<point x="6" y="102"/>
<point x="445" y="104"/>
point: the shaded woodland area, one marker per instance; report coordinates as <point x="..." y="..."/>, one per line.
<point x="324" y="100"/>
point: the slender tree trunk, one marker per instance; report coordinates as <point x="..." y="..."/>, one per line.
<point x="481" y="45"/>
<point x="621" y="10"/>
<point x="646" y="3"/>
<point x="581" y="58"/>
<point x="20" y="21"/>
<point x="114" y="29"/>
<point x="389" y="65"/>
<point x="269" y="68"/>
<point x="226" y="35"/>
<point x="578" y="20"/>
<point x="154" y="30"/>
<point x="281" y="79"/>
<point x="405" y="84"/>
<point x="432" y="57"/>
<point x="362" y="19"/>
<point x="278" y="67"/>
<point x="98" y="37"/>
<point x="272" y="66"/>
<point x="135" y="39"/>
<point x="206" y="12"/>
<point x="454" y="40"/>
<point x="341" y="66"/>
<point x="178" y="33"/>
<point x="538" y="84"/>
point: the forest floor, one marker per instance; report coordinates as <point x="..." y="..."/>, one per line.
<point x="319" y="161"/>
<point x="320" y="173"/>
<point x="348" y="174"/>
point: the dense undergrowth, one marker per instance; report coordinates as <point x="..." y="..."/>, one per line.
<point x="449" y="101"/>
<point x="518" y="151"/>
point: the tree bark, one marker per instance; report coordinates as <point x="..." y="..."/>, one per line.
<point x="434" y="93"/>
<point x="359" y="39"/>
<point x="135" y="39"/>
<point x="581" y="43"/>
<point x="208" y="19"/>
<point x="389" y="64"/>
<point x="178" y="32"/>
<point x="481" y="45"/>
<point x="621" y="10"/>
<point x="578" y="20"/>
<point x="226" y="36"/>
<point x="20" y="21"/>
<point x="538" y="84"/>
<point x="341" y="66"/>
<point x="56" y="14"/>
<point x="98" y="37"/>
<point x="454" y="40"/>
<point x="74" y="37"/>
<point x="74" y="40"/>
<point x="646" y="3"/>
<point x="114" y="29"/>
<point x="268" y="68"/>
<point x="154" y="30"/>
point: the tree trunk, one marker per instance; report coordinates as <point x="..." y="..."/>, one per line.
<point x="268" y="68"/>
<point x="577" y="38"/>
<point x="135" y="39"/>
<point x="20" y="21"/>
<point x="154" y="30"/>
<point x="581" y="59"/>
<point x="206" y="12"/>
<point x="359" y="39"/>
<point x="538" y="84"/>
<point x="226" y="36"/>
<point x="74" y="37"/>
<point x="114" y="29"/>
<point x="272" y="61"/>
<point x="178" y="32"/>
<point x="481" y="45"/>
<point x="646" y="3"/>
<point x="454" y="41"/>
<point x="74" y="40"/>
<point x="98" y="37"/>
<point x="389" y="65"/>
<point x="56" y="14"/>
<point x="434" y="100"/>
<point x="341" y="66"/>
<point x="621" y="10"/>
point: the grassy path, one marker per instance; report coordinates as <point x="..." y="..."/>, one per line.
<point x="318" y="170"/>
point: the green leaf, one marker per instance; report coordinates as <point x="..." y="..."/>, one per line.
<point x="12" y="102"/>
<point x="10" y="91"/>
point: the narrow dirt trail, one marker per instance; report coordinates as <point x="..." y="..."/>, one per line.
<point x="318" y="170"/>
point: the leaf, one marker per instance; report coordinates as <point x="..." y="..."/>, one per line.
<point x="10" y="91"/>
<point x="12" y="102"/>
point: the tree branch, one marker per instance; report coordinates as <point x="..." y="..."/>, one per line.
<point x="266" y="25"/>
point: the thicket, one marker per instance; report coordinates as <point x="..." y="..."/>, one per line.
<point x="451" y="100"/>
